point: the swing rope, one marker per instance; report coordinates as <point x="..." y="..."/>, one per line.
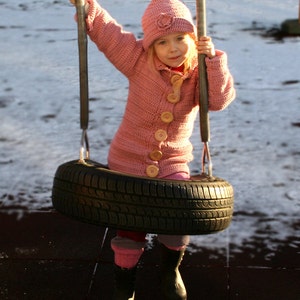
<point x="83" y="80"/>
<point x="203" y="90"/>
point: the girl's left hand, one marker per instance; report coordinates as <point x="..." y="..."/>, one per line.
<point x="206" y="46"/>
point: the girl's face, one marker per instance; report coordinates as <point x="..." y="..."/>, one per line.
<point x="173" y="49"/>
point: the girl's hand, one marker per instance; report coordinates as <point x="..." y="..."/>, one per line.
<point x="86" y="5"/>
<point x="206" y="46"/>
<point x="74" y="2"/>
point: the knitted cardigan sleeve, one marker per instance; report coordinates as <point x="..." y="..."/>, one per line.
<point x="121" y="48"/>
<point x="221" y="91"/>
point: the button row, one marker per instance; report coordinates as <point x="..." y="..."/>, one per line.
<point x="166" y="117"/>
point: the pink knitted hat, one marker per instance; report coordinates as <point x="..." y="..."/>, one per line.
<point x="163" y="17"/>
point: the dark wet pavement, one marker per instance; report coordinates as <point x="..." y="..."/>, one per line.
<point x="45" y="255"/>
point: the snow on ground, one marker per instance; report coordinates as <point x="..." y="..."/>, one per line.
<point x="254" y="143"/>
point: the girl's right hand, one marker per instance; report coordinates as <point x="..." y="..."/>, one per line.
<point x="74" y="2"/>
<point x="206" y="46"/>
<point x="86" y="5"/>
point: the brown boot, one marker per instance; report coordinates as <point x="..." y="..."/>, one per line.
<point x="171" y="282"/>
<point x="124" y="283"/>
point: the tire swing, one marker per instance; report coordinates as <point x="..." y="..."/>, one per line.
<point x="88" y="191"/>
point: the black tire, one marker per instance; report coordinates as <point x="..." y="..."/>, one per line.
<point x="94" y="194"/>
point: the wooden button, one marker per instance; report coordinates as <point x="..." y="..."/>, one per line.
<point x="152" y="171"/>
<point x="167" y="117"/>
<point x="176" y="79"/>
<point x="161" y="135"/>
<point x="173" y="98"/>
<point x="156" y="155"/>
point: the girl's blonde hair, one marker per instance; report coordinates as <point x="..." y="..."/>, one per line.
<point x="187" y="64"/>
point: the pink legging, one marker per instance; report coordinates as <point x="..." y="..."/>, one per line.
<point x="128" y="246"/>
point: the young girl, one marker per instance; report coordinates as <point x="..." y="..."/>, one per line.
<point x="153" y="138"/>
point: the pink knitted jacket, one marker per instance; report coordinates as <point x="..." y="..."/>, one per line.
<point x="153" y="138"/>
